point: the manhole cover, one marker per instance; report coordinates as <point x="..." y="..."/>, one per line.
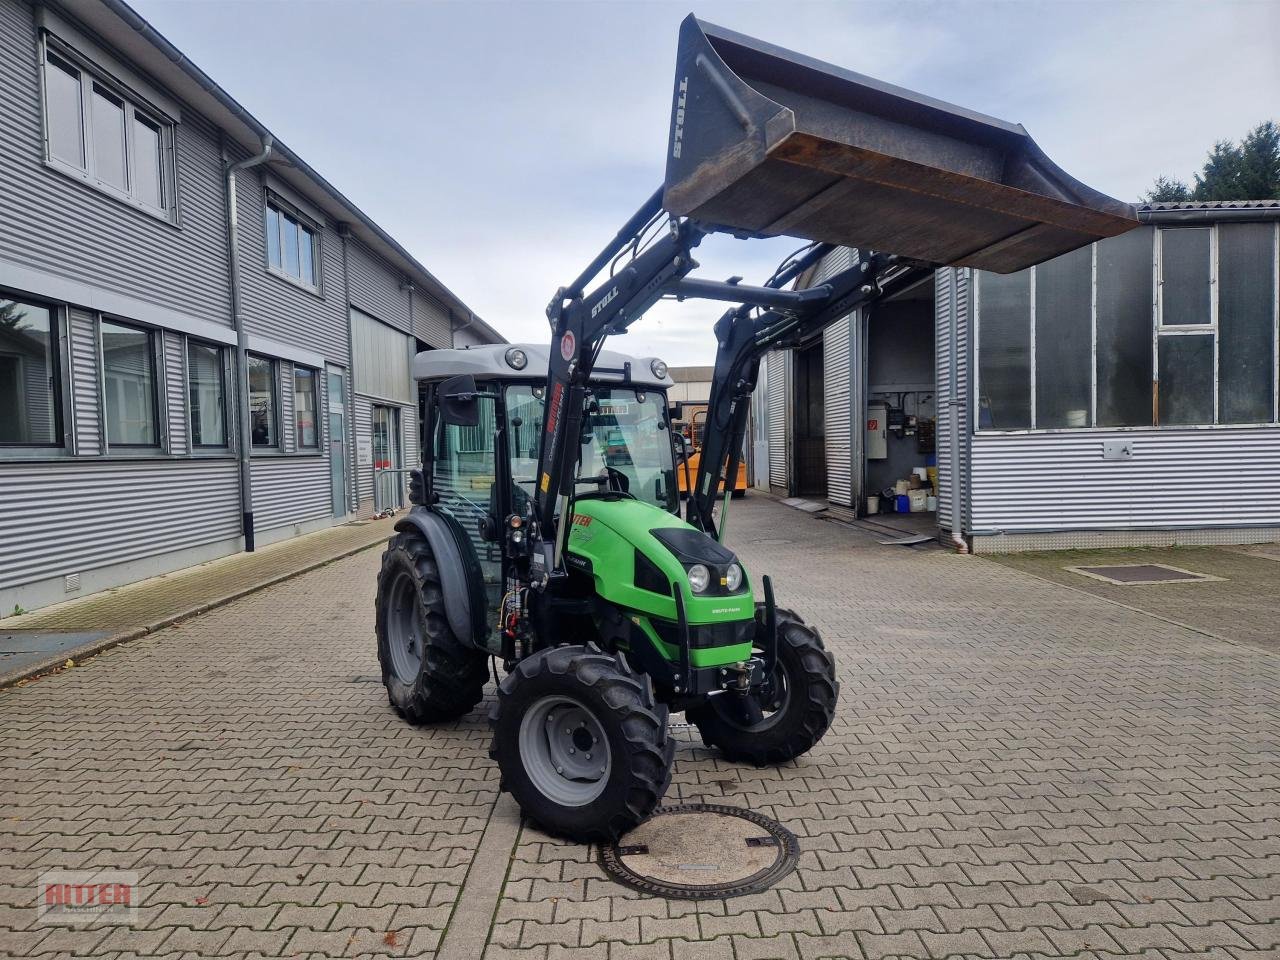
<point x="1137" y="574"/>
<point x="702" y="851"/>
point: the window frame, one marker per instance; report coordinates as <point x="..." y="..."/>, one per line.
<point x="275" y="205"/>
<point x="159" y="427"/>
<point x="276" y="447"/>
<point x="1158" y="331"/>
<point x="317" y="448"/>
<point x="207" y="449"/>
<point x="134" y="107"/>
<point x="58" y="321"/>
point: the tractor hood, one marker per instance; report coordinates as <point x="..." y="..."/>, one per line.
<point x="767" y="141"/>
<point x="639" y="554"/>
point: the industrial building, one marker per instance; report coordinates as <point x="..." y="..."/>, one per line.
<point x="1122" y="394"/>
<point x="204" y="346"/>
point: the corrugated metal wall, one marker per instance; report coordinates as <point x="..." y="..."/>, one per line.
<point x="1177" y="478"/>
<point x="86" y="401"/>
<point x="375" y="287"/>
<point x="54" y="223"/>
<point x="175" y="392"/>
<point x="273" y="306"/>
<point x="289" y="490"/>
<point x="949" y="281"/>
<point x="110" y="512"/>
<point x="431" y="320"/>
<point x="838" y="410"/>
<point x="380" y="359"/>
<point x="779" y="426"/>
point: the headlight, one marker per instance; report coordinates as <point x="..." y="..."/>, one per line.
<point x="517" y="359"/>
<point x="733" y="578"/>
<point x="658" y="368"/>
<point x="699" y="578"/>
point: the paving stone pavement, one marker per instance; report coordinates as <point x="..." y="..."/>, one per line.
<point x="1016" y="770"/>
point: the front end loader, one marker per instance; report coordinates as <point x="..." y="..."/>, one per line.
<point x="545" y="530"/>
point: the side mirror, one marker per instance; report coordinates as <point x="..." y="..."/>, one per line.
<point x="456" y="398"/>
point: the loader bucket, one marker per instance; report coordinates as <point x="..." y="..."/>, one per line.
<point x="767" y="141"/>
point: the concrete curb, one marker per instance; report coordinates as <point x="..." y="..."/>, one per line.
<point x="52" y="663"/>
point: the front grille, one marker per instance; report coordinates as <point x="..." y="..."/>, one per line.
<point x="705" y="636"/>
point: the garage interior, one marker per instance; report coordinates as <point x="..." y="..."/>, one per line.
<point x="901" y="412"/>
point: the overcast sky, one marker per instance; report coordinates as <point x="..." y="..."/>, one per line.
<point x="504" y="143"/>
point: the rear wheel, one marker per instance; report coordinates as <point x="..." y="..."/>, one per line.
<point x="430" y="674"/>
<point x="792" y="719"/>
<point x="581" y="743"/>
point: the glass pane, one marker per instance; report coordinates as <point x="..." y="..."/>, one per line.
<point x="1004" y="340"/>
<point x="148" y="161"/>
<point x="128" y="365"/>
<point x="306" y="248"/>
<point x="273" y="237"/>
<point x="1064" y="340"/>
<point x="1184" y="275"/>
<point x="208" y="395"/>
<point x="108" y="139"/>
<point x="289" y="228"/>
<point x="304" y="407"/>
<point x="629" y="444"/>
<point x="1186" y="380"/>
<point x="28" y="375"/>
<point x="1124" y="330"/>
<point x="62" y="111"/>
<point x="262" y="402"/>
<point x="1246" y="322"/>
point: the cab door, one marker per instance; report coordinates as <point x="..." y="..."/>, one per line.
<point x="463" y="473"/>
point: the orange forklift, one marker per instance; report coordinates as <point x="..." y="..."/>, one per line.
<point x="688" y="421"/>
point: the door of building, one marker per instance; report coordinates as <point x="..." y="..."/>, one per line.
<point x="386" y="454"/>
<point x="336" y="384"/>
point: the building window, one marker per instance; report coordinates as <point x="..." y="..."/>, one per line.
<point x="94" y="130"/>
<point x="262" y="402"/>
<point x="305" y="406"/>
<point x="207" y="391"/>
<point x="1206" y="354"/>
<point x="292" y="244"/>
<point x="128" y="369"/>
<point x="30" y="405"/>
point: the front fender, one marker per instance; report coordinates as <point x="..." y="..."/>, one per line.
<point x="461" y="578"/>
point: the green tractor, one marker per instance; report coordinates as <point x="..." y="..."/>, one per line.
<point x="545" y="531"/>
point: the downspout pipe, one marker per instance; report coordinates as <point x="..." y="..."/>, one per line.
<point x="955" y="403"/>
<point x="244" y="445"/>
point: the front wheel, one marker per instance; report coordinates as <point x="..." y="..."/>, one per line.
<point x="798" y="713"/>
<point x="581" y="743"/>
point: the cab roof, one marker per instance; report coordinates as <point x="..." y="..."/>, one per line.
<point x="489" y="362"/>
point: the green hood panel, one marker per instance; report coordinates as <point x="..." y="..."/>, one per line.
<point x="607" y="533"/>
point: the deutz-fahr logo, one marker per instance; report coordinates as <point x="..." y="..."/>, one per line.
<point x="677" y="138"/>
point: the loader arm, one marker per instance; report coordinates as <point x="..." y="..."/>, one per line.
<point x="744" y="336"/>
<point x="580" y="322"/>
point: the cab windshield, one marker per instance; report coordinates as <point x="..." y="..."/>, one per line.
<point x="625" y="440"/>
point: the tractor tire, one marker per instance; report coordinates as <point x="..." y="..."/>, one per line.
<point x="430" y="674"/>
<point x="581" y="743"/>
<point x="805" y="677"/>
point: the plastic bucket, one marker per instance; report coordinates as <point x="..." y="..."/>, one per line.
<point x="873" y="505"/>
<point x="917" y="499"/>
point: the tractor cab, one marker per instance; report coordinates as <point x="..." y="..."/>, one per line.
<point x="482" y="472"/>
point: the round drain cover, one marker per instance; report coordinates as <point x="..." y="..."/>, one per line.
<point x="702" y="851"/>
